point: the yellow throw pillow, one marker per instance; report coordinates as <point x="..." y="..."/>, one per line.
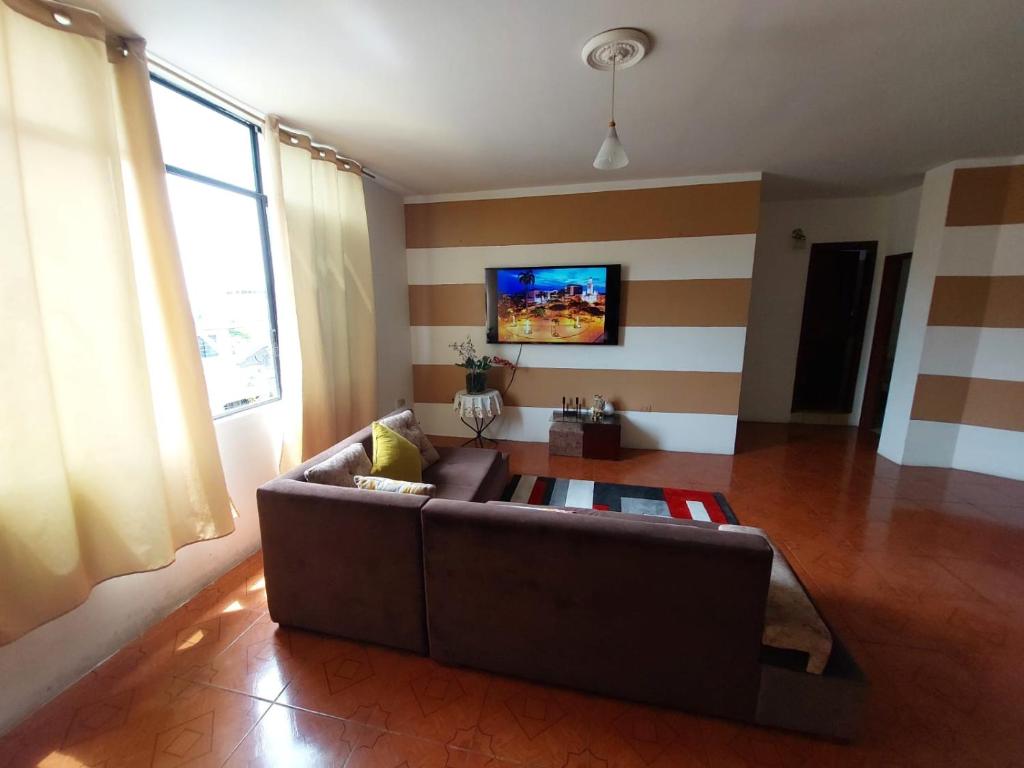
<point x="394" y="456"/>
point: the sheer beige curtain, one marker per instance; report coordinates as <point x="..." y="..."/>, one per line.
<point x="324" y="259"/>
<point x="108" y="458"/>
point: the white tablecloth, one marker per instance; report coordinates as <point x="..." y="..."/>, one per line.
<point x="484" y="405"/>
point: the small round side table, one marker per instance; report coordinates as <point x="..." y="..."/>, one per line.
<point x="482" y="407"/>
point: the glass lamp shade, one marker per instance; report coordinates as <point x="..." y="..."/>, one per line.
<point x="612" y="154"/>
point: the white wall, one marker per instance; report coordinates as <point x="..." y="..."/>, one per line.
<point x="39" y="665"/>
<point x="984" y="353"/>
<point x="386" y="219"/>
<point x="777" y="294"/>
<point x="914" y="320"/>
<point x="901" y="220"/>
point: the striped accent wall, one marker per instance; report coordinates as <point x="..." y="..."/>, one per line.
<point x="968" y="407"/>
<point x="686" y="251"/>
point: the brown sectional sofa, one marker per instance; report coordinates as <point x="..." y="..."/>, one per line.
<point x="657" y="610"/>
<point x="349" y="562"/>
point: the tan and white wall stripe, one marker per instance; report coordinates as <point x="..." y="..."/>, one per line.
<point x="967" y="405"/>
<point x="686" y="247"/>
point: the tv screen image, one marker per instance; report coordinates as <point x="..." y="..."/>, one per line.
<point x="553" y="305"/>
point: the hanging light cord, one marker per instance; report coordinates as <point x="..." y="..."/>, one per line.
<point x="615" y="60"/>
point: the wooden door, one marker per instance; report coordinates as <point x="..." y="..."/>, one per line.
<point x="832" y="335"/>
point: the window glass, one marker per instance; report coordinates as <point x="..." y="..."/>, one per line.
<point x="200" y="139"/>
<point x="222" y="239"/>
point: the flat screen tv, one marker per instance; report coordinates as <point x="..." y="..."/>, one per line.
<point x="553" y="305"/>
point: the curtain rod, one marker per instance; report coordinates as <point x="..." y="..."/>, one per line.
<point x="164" y="67"/>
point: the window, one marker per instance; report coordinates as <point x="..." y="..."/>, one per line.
<point x="220" y="217"/>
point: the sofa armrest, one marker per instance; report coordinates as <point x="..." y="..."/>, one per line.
<point x="344" y="561"/>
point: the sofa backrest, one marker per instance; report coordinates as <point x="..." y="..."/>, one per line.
<point x="625" y="516"/>
<point x="344" y="561"/>
<point x="667" y="614"/>
<point x="364" y="436"/>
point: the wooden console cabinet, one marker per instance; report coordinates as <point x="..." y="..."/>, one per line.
<point x="584" y="436"/>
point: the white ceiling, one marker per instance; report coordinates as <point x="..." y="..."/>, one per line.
<point x="827" y="96"/>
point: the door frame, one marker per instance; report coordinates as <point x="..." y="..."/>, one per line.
<point x="887" y="295"/>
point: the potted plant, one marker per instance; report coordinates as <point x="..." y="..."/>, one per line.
<point x="477" y="366"/>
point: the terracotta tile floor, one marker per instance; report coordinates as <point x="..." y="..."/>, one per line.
<point x="920" y="570"/>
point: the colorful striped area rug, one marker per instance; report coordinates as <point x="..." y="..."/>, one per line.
<point x="635" y="499"/>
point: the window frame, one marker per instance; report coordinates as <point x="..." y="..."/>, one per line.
<point x="260" y="198"/>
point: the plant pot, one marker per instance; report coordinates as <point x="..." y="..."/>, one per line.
<point x="476" y="382"/>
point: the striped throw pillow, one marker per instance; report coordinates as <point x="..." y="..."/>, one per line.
<point x="394" y="486"/>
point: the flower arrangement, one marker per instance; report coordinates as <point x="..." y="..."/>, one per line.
<point x="477" y="366"/>
<point x="468" y="357"/>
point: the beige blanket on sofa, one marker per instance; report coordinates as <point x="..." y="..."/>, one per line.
<point x="790" y="619"/>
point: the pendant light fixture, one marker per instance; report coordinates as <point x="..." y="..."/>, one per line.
<point x="611" y="154"/>
<point x="615" y="49"/>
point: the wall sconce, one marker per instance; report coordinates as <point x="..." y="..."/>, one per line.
<point x="799" y="238"/>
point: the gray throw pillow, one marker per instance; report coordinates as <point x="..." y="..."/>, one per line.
<point x="342" y="467"/>
<point x="405" y="424"/>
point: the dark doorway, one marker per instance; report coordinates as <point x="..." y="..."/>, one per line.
<point x="835" y="308"/>
<point x="883" y="344"/>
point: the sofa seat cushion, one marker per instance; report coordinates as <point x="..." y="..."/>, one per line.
<point x="790" y="619"/>
<point x="460" y="473"/>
